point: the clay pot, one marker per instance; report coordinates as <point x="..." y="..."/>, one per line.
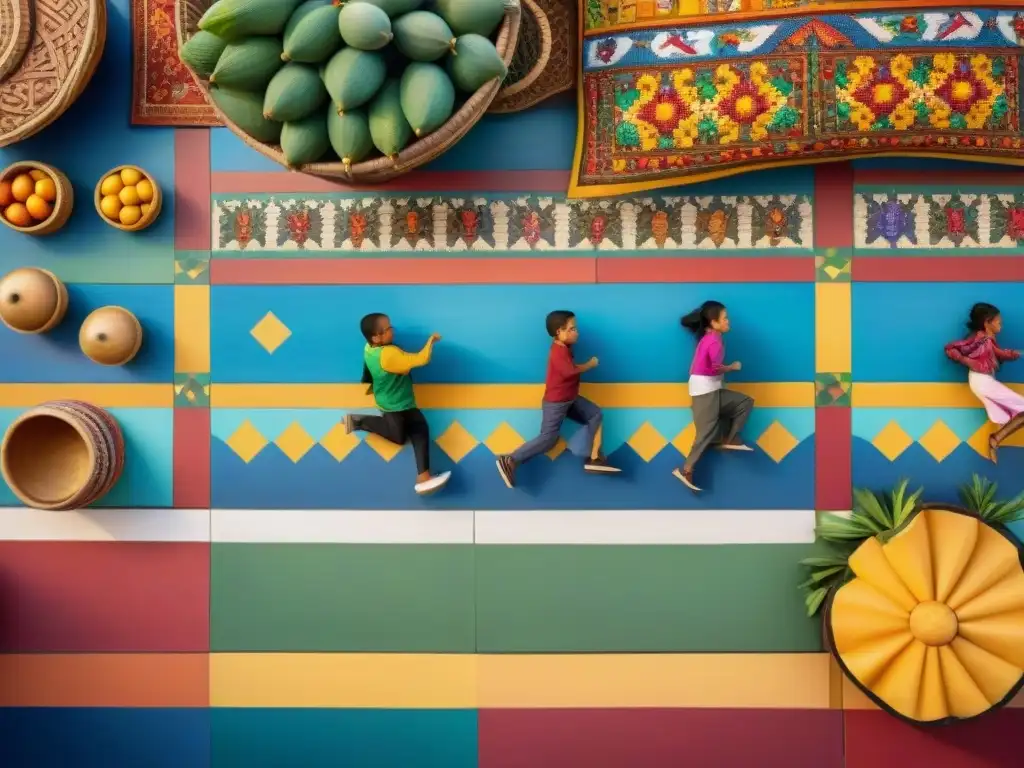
<point x="61" y="455"/>
<point x="110" y="336"/>
<point x="32" y="300"/>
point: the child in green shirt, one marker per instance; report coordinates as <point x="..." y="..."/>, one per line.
<point x="386" y="369"/>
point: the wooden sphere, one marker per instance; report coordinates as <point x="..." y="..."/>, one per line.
<point x="32" y="300"/>
<point x="110" y="336"/>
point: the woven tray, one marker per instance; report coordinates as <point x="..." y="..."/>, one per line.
<point x="383" y="168"/>
<point x="42" y="75"/>
<point x="544" y="63"/>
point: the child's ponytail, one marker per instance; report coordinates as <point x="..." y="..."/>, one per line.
<point x="699" y="320"/>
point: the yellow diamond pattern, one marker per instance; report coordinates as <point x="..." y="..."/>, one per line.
<point x="456" y="442"/>
<point x="939" y="440"/>
<point x="294" y="442"/>
<point x="777" y="441"/>
<point x="892" y="441"/>
<point x="270" y="333"/>
<point x="337" y="443"/>
<point x="246" y="441"/>
<point x="979" y="440"/>
<point x="504" y="440"/>
<point x="384" y="448"/>
<point x="558" y="450"/>
<point x="647" y="441"/>
<point x="683" y="442"/>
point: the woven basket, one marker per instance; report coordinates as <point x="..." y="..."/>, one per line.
<point x="383" y="168"/>
<point x="544" y="63"/>
<point x="62" y="206"/>
<point x="146" y="220"/>
<point x="43" y="74"/>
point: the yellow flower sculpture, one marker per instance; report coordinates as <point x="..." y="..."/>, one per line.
<point x="932" y="626"/>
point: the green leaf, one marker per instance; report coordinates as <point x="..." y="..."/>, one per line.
<point x="814" y="599"/>
<point x="871" y="506"/>
<point x="824" y="562"/>
<point x="826" y="573"/>
<point x="841" y="529"/>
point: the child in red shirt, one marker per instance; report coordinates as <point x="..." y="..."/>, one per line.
<point x="561" y="400"/>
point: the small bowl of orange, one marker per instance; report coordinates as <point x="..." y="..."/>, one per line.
<point x="128" y="198"/>
<point x="35" y="198"/>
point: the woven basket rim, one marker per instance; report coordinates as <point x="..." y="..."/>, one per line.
<point x="60" y="179"/>
<point x="17" y="46"/>
<point x="527" y="92"/>
<point x="378" y="169"/>
<point x="77" y="79"/>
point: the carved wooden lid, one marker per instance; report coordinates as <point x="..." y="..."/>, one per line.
<point x="28" y="299"/>
<point x="47" y="55"/>
<point x="110" y="336"/>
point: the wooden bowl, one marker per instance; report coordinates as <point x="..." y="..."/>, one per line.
<point x="148" y="218"/>
<point x="32" y="300"/>
<point x="46" y="66"/>
<point x="110" y="336"/>
<point x="379" y="169"/>
<point x="62" y="455"/>
<point x="61" y="206"/>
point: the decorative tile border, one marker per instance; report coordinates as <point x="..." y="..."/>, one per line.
<point x="899" y="220"/>
<point x="528" y="224"/>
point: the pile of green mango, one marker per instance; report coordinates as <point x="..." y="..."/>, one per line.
<point x="349" y="78"/>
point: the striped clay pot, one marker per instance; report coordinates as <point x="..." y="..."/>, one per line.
<point x="63" y="454"/>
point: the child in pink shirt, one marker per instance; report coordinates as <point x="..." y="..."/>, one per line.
<point x="718" y="413"/>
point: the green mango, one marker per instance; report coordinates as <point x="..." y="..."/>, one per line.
<point x="389" y="129"/>
<point x="475" y="62"/>
<point x="427" y="96"/>
<point x="353" y="77"/>
<point x="349" y="135"/>
<point x="201" y="52"/>
<point x="293" y="93"/>
<point x="248" y="64"/>
<point x="423" y="36"/>
<point x="311" y="35"/>
<point x="465" y="17"/>
<point x="393" y="8"/>
<point x="306" y="140"/>
<point x="235" y="19"/>
<point x="245" y="109"/>
<point x="364" y="26"/>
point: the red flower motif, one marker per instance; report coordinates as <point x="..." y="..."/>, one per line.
<point x="908" y="24"/>
<point x="744" y="104"/>
<point x="956" y="221"/>
<point x="882" y="94"/>
<point x="962" y="89"/>
<point x="665" y="111"/>
<point x="1017" y="223"/>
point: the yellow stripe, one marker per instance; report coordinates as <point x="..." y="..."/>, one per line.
<point x="854" y="698"/>
<point x="355" y="680"/>
<point x="493" y="396"/>
<point x="797" y="680"/>
<point x="832" y="329"/>
<point x="103" y="395"/>
<point x="427" y="681"/>
<point x="192" y="328"/>
<point x="933" y="395"/>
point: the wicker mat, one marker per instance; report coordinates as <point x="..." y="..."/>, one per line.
<point x="163" y="92"/>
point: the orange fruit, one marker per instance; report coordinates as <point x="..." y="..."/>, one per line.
<point x="18" y="215"/>
<point x="130" y="176"/>
<point x="145" y="190"/>
<point x="129" y="196"/>
<point x="22" y="187"/>
<point x="110" y="205"/>
<point x="6" y="197"/>
<point x="146" y="207"/>
<point x="46" y="189"/>
<point x="37" y="175"/>
<point x="130" y="215"/>
<point x="111" y="185"/>
<point x="38" y="208"/>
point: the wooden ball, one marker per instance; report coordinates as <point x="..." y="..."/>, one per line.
<point x="32" y="300"/>
<point x="110" y="336"/>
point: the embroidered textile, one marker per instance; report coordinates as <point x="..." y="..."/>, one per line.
<point x="678" y="99"/>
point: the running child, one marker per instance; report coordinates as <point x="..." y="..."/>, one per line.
<point x="562" y="401"/>
<point x="719" y="414"/>
<point x="386" y="370"/>
<point x="980" y="354"/>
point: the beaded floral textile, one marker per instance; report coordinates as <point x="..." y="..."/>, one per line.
<point x="676" y="99"/>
